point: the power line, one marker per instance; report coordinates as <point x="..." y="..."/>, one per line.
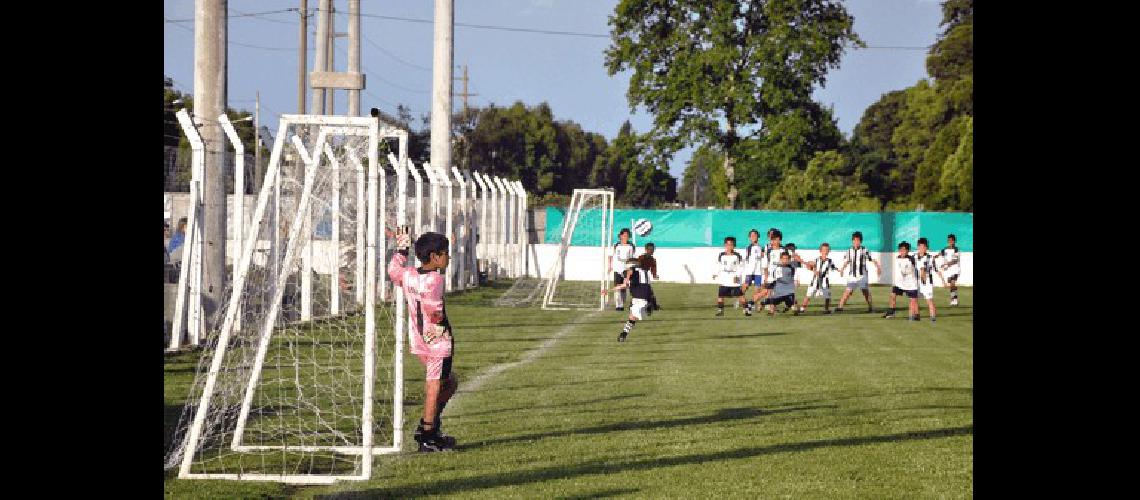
<point x="242" y="44"/>
<point x="248" y="14"/>
<point x="258" y="16"/>
<point x="516" y="29"/>
<point x="393" y="56"/>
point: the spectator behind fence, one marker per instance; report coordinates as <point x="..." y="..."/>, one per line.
<point x="175" y="248"/>
<point x="165" y="235"/>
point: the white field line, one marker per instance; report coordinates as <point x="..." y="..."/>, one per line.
<point x="475" y="383"/>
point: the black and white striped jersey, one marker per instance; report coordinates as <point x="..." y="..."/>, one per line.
<point x="925" y="263"/>
<point x="823" y="266"/>
<point x="639" y="283"/>
<point x="858" y="258"/>
<point x="730" y="267"/>
<point x="906" y="272"/>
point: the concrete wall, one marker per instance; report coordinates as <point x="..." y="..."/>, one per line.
<point x="697" y="265"/>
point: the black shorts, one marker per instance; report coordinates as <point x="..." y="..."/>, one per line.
<point x="619" y="278"/>
<point x="909" y="293"/>
<point x="445" y="374"/>
<point x="952" y="278"/>
<point x="788" y="300"/>
<point x="729" y="291"/>
<point x="770" y="285"/>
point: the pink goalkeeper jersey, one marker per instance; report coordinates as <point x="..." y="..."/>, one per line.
<point x="424" y="292"/>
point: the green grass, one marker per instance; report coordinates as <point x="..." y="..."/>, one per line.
<point x="692" y="406"/>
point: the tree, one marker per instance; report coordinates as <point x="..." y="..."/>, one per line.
<point x="788" y="142"/>
<point x="705" y="69"/>
<point x="703" y="182"/>
<point x="612" y="167"/>
<point x="820" y="188"/>
<point x="173" y="136"/>
<point x="648" y="182"/>
<point x="956" y="186"/>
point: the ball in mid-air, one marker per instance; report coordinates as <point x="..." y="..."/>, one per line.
<point x="642" y="227"/>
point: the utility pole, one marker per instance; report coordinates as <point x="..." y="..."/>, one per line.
<point x="441" y="85"/>
<point x="303" y="57"/>
<point x="323" y="79"/>
<point x="318" y="107"/>
<point x="257" y="141"/>
<point x="330" y="57"/>
<point x="210" y="33"/>
<point x="353" y="54"/>
<point x="465" y="94"/>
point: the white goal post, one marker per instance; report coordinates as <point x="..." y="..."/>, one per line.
<point x="289" y="397"/>
<point x="587" y="233"/>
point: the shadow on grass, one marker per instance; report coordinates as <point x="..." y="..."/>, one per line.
<point x="723" y="415"/>
<point x="543" y="407"/>
<point x="747" y="335"/>
<point x="618" y="319"/>
<point x="517" y="478"/>
<point x="602" y="494"/>
<point x="545" y="385"/>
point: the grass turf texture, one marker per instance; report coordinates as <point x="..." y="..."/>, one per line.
<point x="691" y="406"/>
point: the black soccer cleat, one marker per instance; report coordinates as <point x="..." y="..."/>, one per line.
<point x="619" y="308"/>
<point x="827" y="311"/>
<point x="933" y="319"/>
<point x="838" y="309"/>
<point x="889" y="314"/>
<point x="720" y="311"/>
<point x="431" y="441"/>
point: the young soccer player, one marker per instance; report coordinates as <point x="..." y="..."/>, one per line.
<point x="637" y="281"/>
<point x="754" y="265"/>
<point x="950" y="259"/>
<point x="430" y="336"/>
<point x="906" y="282"/>
<point x="783" y="277"/>
<point x="857" y="257"/>
<point x="730" y="266"/>
<point x="926" y="270"/>
<point x="769" y="260"/>
<point x="623" y="251"/>
<point x="647" y="261"/>
<point x="820" y="283"/>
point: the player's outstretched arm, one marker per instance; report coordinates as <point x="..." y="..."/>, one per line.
<point x="400" y="258"/>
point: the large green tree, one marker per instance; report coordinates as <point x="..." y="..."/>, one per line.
<point x="528" y="143"/>
<point x="612" y="167"/>
<point x="709" y="69"/>
<point x="703" y="183"/>
<point x="821" y="187"/>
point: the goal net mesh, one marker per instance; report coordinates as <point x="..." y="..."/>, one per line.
<point x="580" y="270"/>
<point x="288" y="397"/>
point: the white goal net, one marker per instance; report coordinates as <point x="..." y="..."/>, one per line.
<point x="581" y="268"/>
<point x="300" y="382"/>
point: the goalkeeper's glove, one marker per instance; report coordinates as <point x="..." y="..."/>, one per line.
<point x="403" y="239"/>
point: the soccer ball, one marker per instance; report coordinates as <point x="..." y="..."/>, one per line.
<point x="642" y="227"/>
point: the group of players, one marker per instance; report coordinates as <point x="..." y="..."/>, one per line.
<point x="771" y="270"/>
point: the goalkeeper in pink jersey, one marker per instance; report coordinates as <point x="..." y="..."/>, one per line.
<point x="430" y="335"/>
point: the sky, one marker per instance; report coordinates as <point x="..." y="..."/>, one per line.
<point x="568" y="72"/>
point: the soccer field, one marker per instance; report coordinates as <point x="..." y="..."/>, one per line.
<point x="692" y="405"/>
